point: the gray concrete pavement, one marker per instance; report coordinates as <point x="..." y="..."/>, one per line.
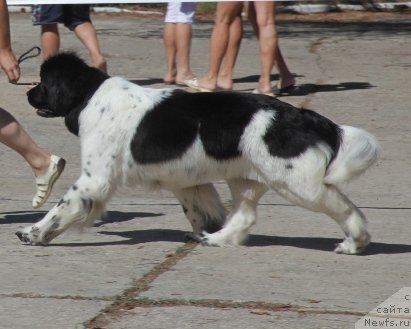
<point x="133" y="270"/>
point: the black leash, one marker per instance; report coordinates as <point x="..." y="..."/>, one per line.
<point x="32" y="52"/>
<point x="27" y="55"/>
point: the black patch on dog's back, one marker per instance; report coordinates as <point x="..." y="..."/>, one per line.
<point x="294" y="130"/>
<point x="219" y="119"/>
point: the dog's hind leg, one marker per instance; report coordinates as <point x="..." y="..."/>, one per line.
<point x="301" y="181"/>
<point x="202" y="207"/>
<point x="329" y="200"/>
<point x="82" y="204"/>
<point x="354" y="225"/>
<point x="246" y="194"/>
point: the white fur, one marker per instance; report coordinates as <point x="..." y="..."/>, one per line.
<point x="358" y="152"/>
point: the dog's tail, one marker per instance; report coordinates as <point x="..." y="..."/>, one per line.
<point x="357" y="152"/>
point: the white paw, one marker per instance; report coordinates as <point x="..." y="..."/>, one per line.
<point x="346" y="248"/>
<point x="351" y="247"/>
<point x="222" y="239"/>
<point x="212" y="240"/>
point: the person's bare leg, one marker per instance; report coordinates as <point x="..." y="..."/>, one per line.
<point x="14" y="136"/>
<point x="225" y="76"/>
<point x="225" y="15"/>
<point x="49" y="40"/>
<point x="169" y="36"/>
<point x="267" y="37"/>
<point x="46" y="167"/>
<point x="286" y="77"/>
<point x="183" y="44"/>
<point x="88" y="36"/>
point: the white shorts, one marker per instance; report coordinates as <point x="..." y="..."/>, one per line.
<point x="180" y="12"/>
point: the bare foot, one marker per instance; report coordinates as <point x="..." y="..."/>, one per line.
<point x="225" y="83"/>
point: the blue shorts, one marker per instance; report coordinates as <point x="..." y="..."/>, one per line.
<point x="69" y="15"/>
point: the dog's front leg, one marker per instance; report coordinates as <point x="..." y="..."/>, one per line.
<point x="82" y="204"/>
<point x="202" y="207"/>
<point x="246" y="194"/>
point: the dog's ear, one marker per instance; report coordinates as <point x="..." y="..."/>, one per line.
<point x="60" y="96"/>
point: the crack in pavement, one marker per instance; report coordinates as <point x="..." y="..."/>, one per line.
<point x="39" y="296"/>
<point x="125" y="300"/>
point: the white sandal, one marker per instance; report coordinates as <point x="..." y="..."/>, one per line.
<point x="267" y="93"/>
<point x="193" y="84"/>
<point x="45" y="182"/>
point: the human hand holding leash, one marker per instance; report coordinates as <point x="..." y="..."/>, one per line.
<point x="8" y="60"/>
<point x="23" y="57"/>
<point x="9" y="64"/>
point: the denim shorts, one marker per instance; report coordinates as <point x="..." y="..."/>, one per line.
<point x="69" y="15"/>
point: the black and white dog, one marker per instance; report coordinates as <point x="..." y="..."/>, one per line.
<point x="183" y="141"/>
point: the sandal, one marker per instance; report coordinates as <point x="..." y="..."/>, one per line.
<point x="45" y="182"/>
<point x="193" y="84"/>
<point x="267" y="93"/>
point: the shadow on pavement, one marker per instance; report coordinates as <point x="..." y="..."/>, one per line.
<point x="16" y="217"/>
<point x="133" y="238"/>
<point x="148" y="82"/>
<point x="120" y="216"/>
<point x="162" y="235"/>
<point x="324" y="244"/>
<point x="157" y="235"/>
<point x="310" y="88"/>
<point x="112" y="217"/>
<point x="300" y="89"/>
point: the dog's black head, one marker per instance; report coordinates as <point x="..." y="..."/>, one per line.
<point x="66" y="85"/>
